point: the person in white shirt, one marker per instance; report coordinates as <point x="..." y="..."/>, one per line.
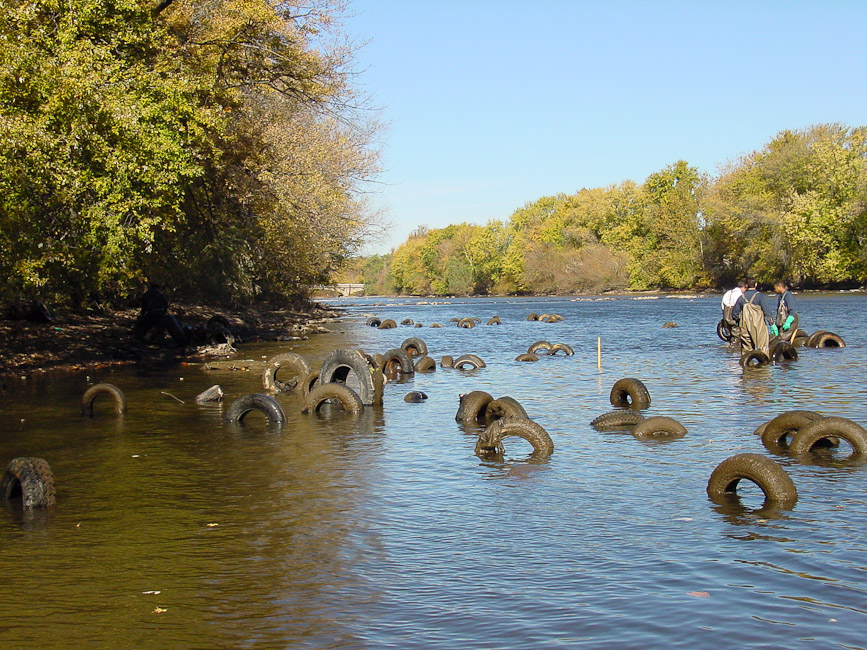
<point x="729" y="299"/>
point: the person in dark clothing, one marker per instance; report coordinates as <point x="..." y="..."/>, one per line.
<point x="755" y="339"/>
<point x="154" y="306"/>
<point x="787" y="311"/>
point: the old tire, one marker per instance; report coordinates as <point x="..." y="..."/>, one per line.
<point x="447" y="362"/>
<point x="414" y="346"/>
<point x="526" y="356"/>
<point x="539" y="345"/>
<point x="266" y="404"/>
<point x="774" y="431"/>
<point x="495" y="321"/>
<point x="724" y="330"/>
<point x="491" y="440"/>
<point x="435" y="325"/>
<point x="831" y="427"/>
<point x="630" y="392"/>
<point x="471" y="360"/>
<point x="467" y="323"/>
<point x="31" y="478"/>
<point x="387" y="324"/>
<point x="425" y="364"/>
<point x="533" y="317"/>
<point x="309" y="382"/>
<point x="407" y="321"/>
<point x="625" y="418"/>
<point x="504" y="407"/>
<point x="397" y="361"/>
<point x="811" y="340"/>
<point x="658" y="426"/>
<point x="348" y="398"/>
<point x="754" y="359"/>
<point x="415" y="397"/>
<point x="341" y="362"/>
<point x="828" y="340"/>
<point x="96" y="390"/>
<point x="773" y="480"/>
<point x="783" y="351"/>
<point x="373" y="321"/>
<point x="472" y="406"/>
<point x="561" y="347"/>
<point x="293" y="365"/>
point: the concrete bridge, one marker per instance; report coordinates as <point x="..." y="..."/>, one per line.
<point x="345" y="289"/>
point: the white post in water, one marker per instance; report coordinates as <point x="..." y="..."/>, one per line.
<point x="599" y="352"/>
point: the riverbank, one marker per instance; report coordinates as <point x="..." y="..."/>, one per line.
<point x="81" y="341"/>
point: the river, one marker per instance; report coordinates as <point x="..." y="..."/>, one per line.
<point x="387" y="531"/>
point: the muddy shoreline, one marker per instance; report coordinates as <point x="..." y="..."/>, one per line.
<point x="74" y="342"/>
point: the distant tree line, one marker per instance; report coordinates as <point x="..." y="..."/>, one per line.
<point x="216" y="147"/>
<point x="796" y="209"/>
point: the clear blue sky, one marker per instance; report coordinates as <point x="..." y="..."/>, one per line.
<point x="491" y="105"/>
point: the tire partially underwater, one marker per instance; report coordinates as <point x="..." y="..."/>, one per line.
<point x="773" y="480"/>
<point x="414" y="346"/>
<point x="491" y="440"/>
<point x="472" y="406"/>
<point x="658" y="426"/>
<point x="242" y="406"/>
<point x="776" y="429"/>
<point x="625" y="418"/>
<point x="292" y="364"/>
<point x="31" y="478"/>
<point x="812" y="432"/>
<point x="341" y="362"/>
<point x="469" y="360"/>
<point x="348" y="398"/>
<point x="503" y="407"/>
<point x="96" y="390"/>
<point x="630" y="392"/>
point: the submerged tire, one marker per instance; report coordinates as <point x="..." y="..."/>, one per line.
<point x="266" y="404"/>
<point x="31" y="478"/>
<point x="533" y="317"/>
<point x="754" y="359"/>
<point x="425" y="364"/>
<point x="341" y="362"/>
<point x="397" y="361"/>
<point x="783" y="351"/>
<point x="658" y="427"/>
<point x="811" y="340"/>
<point x="373" y="321"/>
<point x="491" y="440"/>
<point x="294" y="365"/>
<point x="831" y="427"/>
<point x="626" y="418"/>
<point x="539" y="345"/>
<point x="467" y="323"/>
<point x="407" y="321"/>
<point x="96" y="390"/>
<point x="776" y="429"/>
<point x="526" y="356"/>
<point x="768" y="475"/>
<point x="415" y="397"/>
<point x="495" y="321"/>
<point x="435" y="325"/>
<point x="414" y="346"/>
<point x="828" y="340"/>
<point x="471" y="360"/>
<point x="447" y="362"/>
<point x="561" y="347"/>
<point x="341" y="393"/>
<point x="387" y="324"/>
<point x="630" y="392"/>
<point x="503" y="407"/>
<point x="309" y="382"/>
<point x="472" y="406"/>
<point x="724" y="330"/>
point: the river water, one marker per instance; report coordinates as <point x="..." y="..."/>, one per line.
<point x="174" y="531"/>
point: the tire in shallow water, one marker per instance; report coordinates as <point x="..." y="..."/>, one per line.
<point x="425" y="364"/>
<point x="373" y="321"/>
<point x="467" y="323"/>
<point x="828" y="340"/>
<point x="783" y="351"/>
<point x="266" y="404"/>
<point x="397" y="361"/>
<point x="447" y="362"/>
<point x="435" y="325"/>
<point x="309" y="382"/>
<point x="471" y="360"/>
<point x="811" y="433"/>
<point x="811" y="340"/>
<point x="773" y="480"/>
<point x="754" y="359"/>
<point x="724" y="330"/>
<point x="495" y="321"/>
<point x="774" y="430"/>
<point x="472" y="406"/>
<point x="387" y="324"/>
<point x="533" y="317"/>
<point x="561" y="347"/>
<point x="526" y="356"/>
<point x="658" y="426"/>
<point x="415" y="397"/>
<point x="31" y="478"/>
<point x="539" y="345"/>
<point x="625" y="418"/>
<point x="414" y="346"/>
<point x="407" y="321"/>
<point x="293" y="365"/>
<point x="491" y="440"/>
<point x="341" y="362"/>
<point x="630" y="392"/>
<point x="503" y="407"/>
<point x="348" y="398"/>
<point x="96" y="390"/>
